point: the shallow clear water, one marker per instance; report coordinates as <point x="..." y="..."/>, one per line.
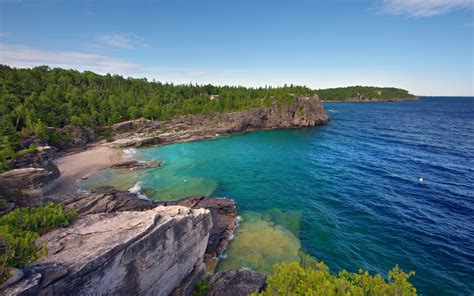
<point x="347" y="193"/>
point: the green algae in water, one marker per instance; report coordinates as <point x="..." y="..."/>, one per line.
<point x="260" y="243"/>
<point x="290" y="220"/>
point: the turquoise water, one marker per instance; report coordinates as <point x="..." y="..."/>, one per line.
<point x="347" y="193"/>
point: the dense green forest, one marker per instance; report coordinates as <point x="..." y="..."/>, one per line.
<point x="57" y="97"/>
<point x="363" y="92"/>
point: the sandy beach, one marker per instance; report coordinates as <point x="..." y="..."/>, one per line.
<point x="76" y="166"/>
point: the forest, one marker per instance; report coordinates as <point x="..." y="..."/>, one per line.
<point x="33" y="99"/>
<point x="363" y="93"/>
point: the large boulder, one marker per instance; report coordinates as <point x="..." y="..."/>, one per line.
<point x="26" y="186"/>
<point x="42" y="157"/>
<point x="236" y="282"/>
<point x="124" y="253"/>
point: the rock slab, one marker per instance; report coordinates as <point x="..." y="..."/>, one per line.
<point x="104" y="200"/>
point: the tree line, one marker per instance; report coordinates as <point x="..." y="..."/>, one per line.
<point x="363" y="93"/>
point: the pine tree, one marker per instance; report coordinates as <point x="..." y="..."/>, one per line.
<point x="41" y="131"/>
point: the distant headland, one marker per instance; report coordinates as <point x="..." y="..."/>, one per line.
<point x="365" y="94"/>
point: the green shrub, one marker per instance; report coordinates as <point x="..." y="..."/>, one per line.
<point x="20" y="229"/>
<point x="38" y="219"/>
<point x="293" y="279"/>
<point x="108" y="134"/>
<point x="26" y="151"/>
<point x="201" y="288"/>
<point x="55" y="137"/>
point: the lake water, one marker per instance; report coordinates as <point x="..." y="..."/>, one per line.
<point x="348" y="193"/>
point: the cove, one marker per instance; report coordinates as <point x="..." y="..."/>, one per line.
<point x="347" y="193"/>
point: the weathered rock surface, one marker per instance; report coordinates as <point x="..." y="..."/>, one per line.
<point x="105" y="200"/>
<point x="224" y="218"/>
<point x="303" y="112"/>
<point x="42" y="157"/>
<point x="131" y="124"/>
<point x="236" y="282"/>
<point x="134" y="164"/>
<point x="25" y="186"/>
<point x="126" y="253"/>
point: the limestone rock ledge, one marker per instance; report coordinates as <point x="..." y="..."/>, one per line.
<point x="123" y="253"/>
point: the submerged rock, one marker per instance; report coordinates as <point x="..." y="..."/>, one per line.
<point x="126" y="253"/>
<point x="236" y="282"/>
<point x="134" y="164"/>
<point x="260" y="244"/>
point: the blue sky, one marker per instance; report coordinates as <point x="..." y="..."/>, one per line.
<point x="425" y="46"/>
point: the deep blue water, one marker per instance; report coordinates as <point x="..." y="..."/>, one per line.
<point x="355" y="183"/>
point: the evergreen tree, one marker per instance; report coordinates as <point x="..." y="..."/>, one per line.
<point x="41" y="131"/>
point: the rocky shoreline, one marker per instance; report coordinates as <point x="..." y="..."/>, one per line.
<point x="123" y="244"/>
<point x="303" y="112"/>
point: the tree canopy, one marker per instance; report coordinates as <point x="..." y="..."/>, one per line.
<point x="363" y="92"/>
<point x="55" y="97"/>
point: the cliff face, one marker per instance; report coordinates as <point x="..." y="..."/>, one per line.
<point x="125" y="253"/>
<point x="303" y="112"/>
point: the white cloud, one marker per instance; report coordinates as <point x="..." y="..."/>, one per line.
<point x="26" y="57"/>
<point x="122" y="41"/>
<point x="423" y="8"/>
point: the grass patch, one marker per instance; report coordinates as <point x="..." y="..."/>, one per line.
<point x="201" y="288"/>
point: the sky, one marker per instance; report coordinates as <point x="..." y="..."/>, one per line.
<point x="424" y="46"/>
